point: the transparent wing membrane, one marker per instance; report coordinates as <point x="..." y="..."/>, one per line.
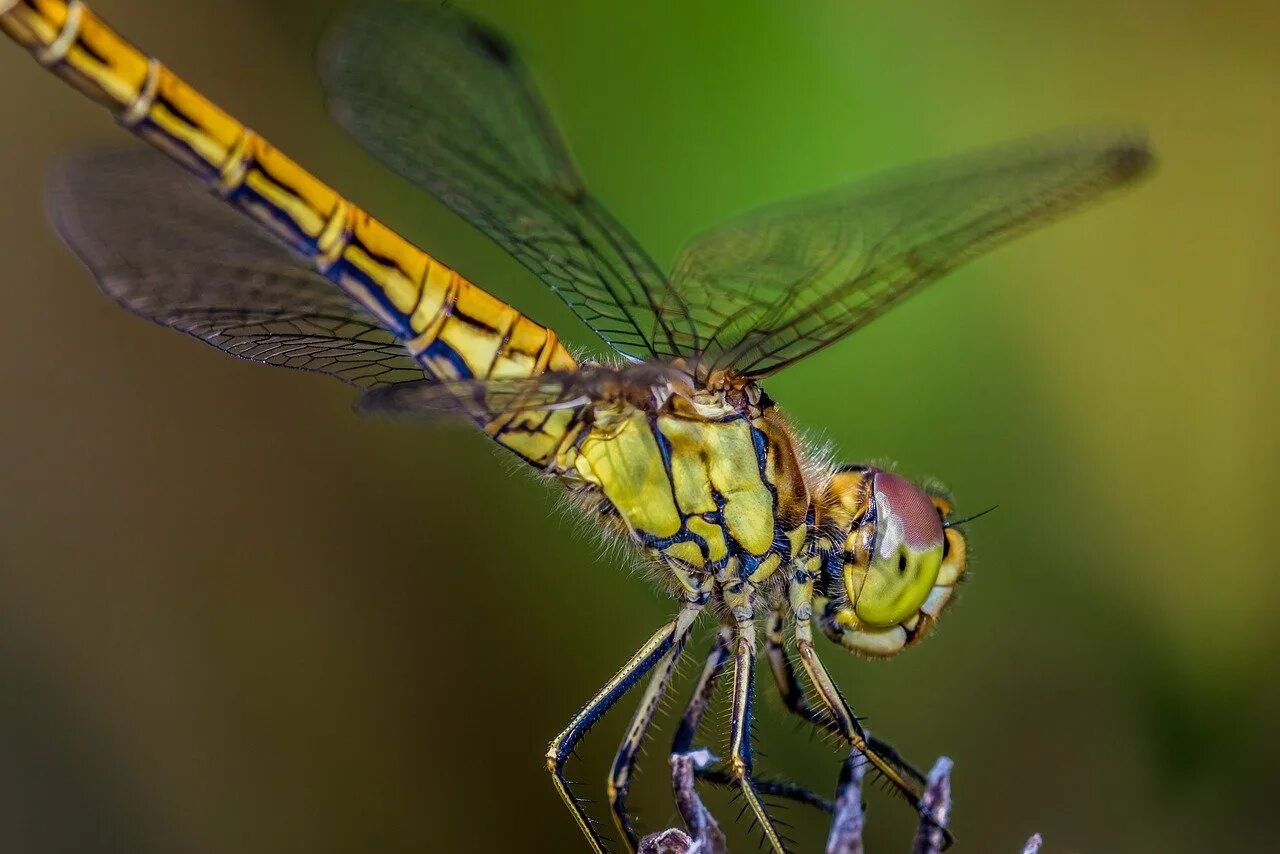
<point x="428" y="398"/>
<point x="789" y="280"/>
<point x="166" y="249"/>
<point x="543" y="392"/>
<point x="446" y="103"/>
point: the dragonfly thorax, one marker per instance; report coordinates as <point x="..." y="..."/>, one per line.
<point x="702" y="485"/>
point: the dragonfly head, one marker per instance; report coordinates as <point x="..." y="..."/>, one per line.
<point x="887" y="583"/>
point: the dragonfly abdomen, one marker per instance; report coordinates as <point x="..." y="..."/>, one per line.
<point x="451" y="326"/>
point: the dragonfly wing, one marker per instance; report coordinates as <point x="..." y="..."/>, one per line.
<point x="485" y="397"/>
<point x="167" y="250"/>
<point x="792" y="279"/>
<point x="642" y="383"/>
<point x="445" y="102"/>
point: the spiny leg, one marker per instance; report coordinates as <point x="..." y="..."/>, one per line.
<point x="740" y="757"/>
<point x="887" y="763"/>
<point x="793" y="696"/>
<point x="784" y="676"/>
<point x="562" y="747"/>
<point x="691" y="719"/>
<point x="624" y="760"/>
<point x="686" y="764"/>
<point x="795" y="700"/>
<point x="689" y="765"/>
<point x="771" y="787"/>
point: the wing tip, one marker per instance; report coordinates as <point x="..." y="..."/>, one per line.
<point x="1130" y="158"/>
<point x="490" y="43"/>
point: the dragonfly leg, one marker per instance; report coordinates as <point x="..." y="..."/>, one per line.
<point x="793" y="696"/>
<point x="784" y="677"/>
<point x="887" y="762"/>
<point x="658" y="647"/>
<point x="691" y="719"/>
<point x="687" y="763"/>
<point x="624" y="761"/>
<point x="690" y="764"/>
<point x="740" y="754"/>
<point x="770" y="787"/>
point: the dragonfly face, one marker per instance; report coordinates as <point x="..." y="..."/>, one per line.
<point x="898" y="566"/>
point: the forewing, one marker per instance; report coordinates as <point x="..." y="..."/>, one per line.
<point x="167" y="250"/>
<point x="789" y="280"/>
<point x="445" y="102"/>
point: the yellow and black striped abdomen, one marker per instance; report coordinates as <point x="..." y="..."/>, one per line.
<point x="452" y="327"/>
<point x="722" y="496"/>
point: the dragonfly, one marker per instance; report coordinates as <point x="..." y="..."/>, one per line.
<point x="671" y="443"/>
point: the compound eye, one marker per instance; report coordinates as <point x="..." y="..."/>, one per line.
<point x="907" y="556"/>
<point x="894" y="589"/>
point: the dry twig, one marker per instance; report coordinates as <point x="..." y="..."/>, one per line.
<point x="845" y="836"/>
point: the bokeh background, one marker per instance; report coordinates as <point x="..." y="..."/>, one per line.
<point x="234" y="616"/>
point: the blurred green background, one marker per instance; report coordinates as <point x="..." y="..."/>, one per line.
<point x="234" y="616"/>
